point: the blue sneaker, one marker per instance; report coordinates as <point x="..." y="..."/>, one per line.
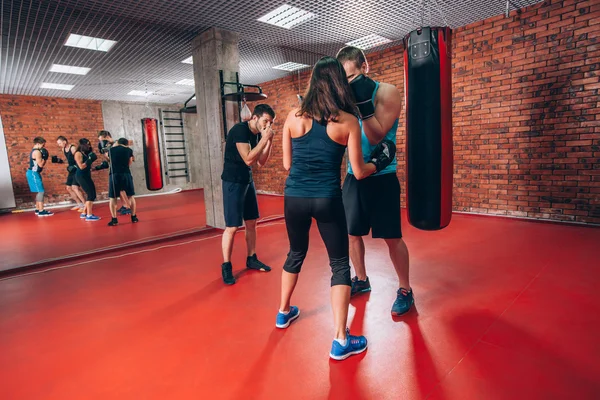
<point x="45" y="213"/>
<point x="83" y="215"/>
<point x="403" y="303"/>
<point x="284" y="320"/>
<point x="92" y="218"/>
<point x="354" y="345"/>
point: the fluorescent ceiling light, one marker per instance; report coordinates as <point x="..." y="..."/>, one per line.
<point x="57" y="86"/>
<point x="90" y="43"/>
<point x="290" y="66"/>
<point x="138" y="93"/>
<point x="187" y="82"/>
<point x="286" y="17"/>
<point x="67" y="69"/>
<point x="368" y="41"/>
<point x="188" y="60"/>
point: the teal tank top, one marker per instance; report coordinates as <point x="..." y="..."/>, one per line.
<point x="367" y="148"/>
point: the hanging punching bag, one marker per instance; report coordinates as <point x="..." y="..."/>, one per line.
<point x="152" y="163"/>
<point x="428" y="99"/>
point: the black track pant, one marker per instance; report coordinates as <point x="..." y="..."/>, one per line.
<point x="331" y="221"/>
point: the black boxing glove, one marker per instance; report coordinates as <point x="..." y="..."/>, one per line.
<point x="363" y="88"/>
<point x="104" y="165"/>
<point x="104" y="146"/>
<point x="45" y="153"/>
<point x="71" y="169"/>
<point x="383" y="155"/>
<point x="91" y="158"/>
<point x="56" y="160"/>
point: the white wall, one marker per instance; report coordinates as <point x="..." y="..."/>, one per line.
<point x="7" y="195"/>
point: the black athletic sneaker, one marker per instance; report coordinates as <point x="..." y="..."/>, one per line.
<point x="113" y="222"/>
<point x="359" y="286"/>
<point x="253" y="263"/>
<point x="227" y="273"/>
<point x="134" y="219"/>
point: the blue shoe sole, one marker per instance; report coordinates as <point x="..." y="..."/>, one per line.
<point x="289" y="321"/>
<point x="397" y="314"/>
<point x="352" y="353"/>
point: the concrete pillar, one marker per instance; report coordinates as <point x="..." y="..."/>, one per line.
<point x="214" y="50"/>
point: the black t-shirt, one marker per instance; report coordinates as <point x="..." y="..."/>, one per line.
<point x="119" y="159"/>
<point x="234" y="167"/>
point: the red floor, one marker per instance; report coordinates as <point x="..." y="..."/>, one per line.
<point x="65" y="234"/>
<point x="505" y="309"/>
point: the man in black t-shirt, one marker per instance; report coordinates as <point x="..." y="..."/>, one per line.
<point x="248" y="143"/>
<point x="105" y="142"/>
<point x="120" y="179"/>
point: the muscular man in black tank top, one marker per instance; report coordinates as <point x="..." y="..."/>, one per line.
<point x="72" y="184"/>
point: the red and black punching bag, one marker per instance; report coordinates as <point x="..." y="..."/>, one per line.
<point x="428" y="99"/>
<point x="152" y="163"/>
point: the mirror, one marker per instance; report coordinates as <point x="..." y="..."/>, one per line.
<point x="165" y="170"/>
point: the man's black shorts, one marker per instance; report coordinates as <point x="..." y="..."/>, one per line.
<point x="239" y="203"/>
<point x="118" y="182"/>
<point x="373" y="204"/>
<point x="71" y="179"/>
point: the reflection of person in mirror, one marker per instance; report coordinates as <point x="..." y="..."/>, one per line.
<point x="105" y="142"/>
<point x="84" y="158"/>
<point x="37" y="161"/>
<point x="120" y="179"/>
<point x="68" y="150"/>
<point x="249" y="143"/>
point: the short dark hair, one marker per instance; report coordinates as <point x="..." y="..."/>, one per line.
<point x="39" y="140"/>
<point x="351" y="53"/>
<point x="104" y="134"/>
<point x="122" y="141"/>
<point x="64" y="139"/>
<point x="261" y="109"/>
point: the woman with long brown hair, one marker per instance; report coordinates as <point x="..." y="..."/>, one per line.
<point x="315" y="138"/>
<point x="84" y="157"/>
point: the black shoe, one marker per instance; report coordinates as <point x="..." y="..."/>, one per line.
<point x="227" y="273"/>
<point x="113" y="222"/>
<point x="134" y="219"/>
<point x="253" y="263"/>
<point x="359" y="286"/>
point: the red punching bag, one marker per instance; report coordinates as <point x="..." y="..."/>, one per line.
<point x="152" y="163"/>
<point x="429" y="155"/>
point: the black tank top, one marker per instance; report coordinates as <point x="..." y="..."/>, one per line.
<point x="85" y="157"/>
<point x="69" y="156"/>
<point x="316" y="165"/>
<point x="33" y="165"/>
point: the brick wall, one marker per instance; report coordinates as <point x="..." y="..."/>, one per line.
<point x="26" y="117"/>
<point x="526" y="113"/>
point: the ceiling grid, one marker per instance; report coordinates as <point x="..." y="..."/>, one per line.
<point x="154" y="36"/>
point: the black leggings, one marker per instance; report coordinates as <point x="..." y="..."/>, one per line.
<point x="331" y="221"/>
<point x="84" y="178"/>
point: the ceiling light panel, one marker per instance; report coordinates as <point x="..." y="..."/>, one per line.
<point x="188" y="60"/>
<point x="290" y="66"/>
<point x="56" y="86"/>
<point x="368" y="42"/>
<point x="138" y="93"/>
<point x="286" y="17"/>
<point x="67" y="69"/>
<point x="90" y="43"/>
